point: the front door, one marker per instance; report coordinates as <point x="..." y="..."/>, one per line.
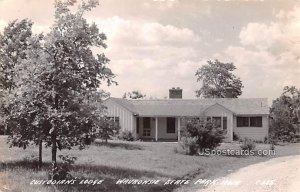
<point x="146" y="127"/>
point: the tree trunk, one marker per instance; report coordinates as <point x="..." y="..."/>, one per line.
<point x="40" y="152"/>
<point x="54" y="148"/>
<point x="53" y="134"/>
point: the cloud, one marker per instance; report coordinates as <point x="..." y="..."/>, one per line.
<point x="165" y="4"/>
<point x="268" y="57"/>
<point x="262" y="74"/>
<point x="150" y="56"/>
<point x="40" y="12"/>
<point x="277" y="37"/>
<point x="260" y="35"/>
<point x="137" y="32"/>
<point x="155" y="70"/>
<point x="35" y="28"/>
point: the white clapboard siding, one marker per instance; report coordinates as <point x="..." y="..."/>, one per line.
<point x="255" y="133"/>
<point x="125" y="116"/>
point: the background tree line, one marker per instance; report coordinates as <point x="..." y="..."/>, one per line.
<point x="285" y="116"/>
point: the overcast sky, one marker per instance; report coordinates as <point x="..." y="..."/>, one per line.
<point x="154" y="45"/>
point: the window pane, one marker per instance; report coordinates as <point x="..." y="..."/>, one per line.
<point x="146" y="122"/>
<point x="256" y="121"/>
<point x="216" y="121"/>
<point x="224" y="123"/>
<point x="117" y="121"/>
<point x="147" y="132"/>
<point x="170" y="125"/>
<point x="242" y="121"/>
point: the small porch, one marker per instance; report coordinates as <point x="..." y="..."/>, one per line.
<point x="168" y="128"/>
<point x="158" y="128"/>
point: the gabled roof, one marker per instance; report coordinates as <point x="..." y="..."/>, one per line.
<point x="217" y="104"/>
<point x="193" y="107"/>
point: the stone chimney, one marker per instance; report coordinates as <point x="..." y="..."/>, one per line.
<point x="175" y="93"/>
<point x="229" y="92"/>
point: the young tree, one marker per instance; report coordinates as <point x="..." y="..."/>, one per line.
<point x="216" y="77"/>
<point x="134" y="95"/>
<point x="19" y="112"/>
<point x="285" y="114"/>
<point x="15" y="42"/>
<point x="107" y="128"/>
<point x="75" y="74"/>
<point x="58" y="96"/>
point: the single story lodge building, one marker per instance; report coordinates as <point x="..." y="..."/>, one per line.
<point x="162" y="119"/>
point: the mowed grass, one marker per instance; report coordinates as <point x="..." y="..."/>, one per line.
<point x="120" y="160"/>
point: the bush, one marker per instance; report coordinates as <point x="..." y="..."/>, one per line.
<point x="189" y="144"/>
<point x="206" y="134"/>
<point x="108" y="129"/>
<point x="296" y="138"/>
<point x="126" y="136"/>
<point x="272" y="139"/>
<point x="63" y="171"/>
<point x="272" y="146"/>
<point x="248" y="144"/>
<point x="236" y="137"/>
<point x="258" y="141"/>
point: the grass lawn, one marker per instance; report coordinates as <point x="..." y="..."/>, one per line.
<point x="120" y="160"/>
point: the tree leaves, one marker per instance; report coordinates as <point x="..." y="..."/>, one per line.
<point x="56" y="79"/>
<point x="135" y="94"/>
<point x="216" y="77"/>
<point x="284" y="113"/>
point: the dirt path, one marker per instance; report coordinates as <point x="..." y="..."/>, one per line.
<point x="276" y="175"/>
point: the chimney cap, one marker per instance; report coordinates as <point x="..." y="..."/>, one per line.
<point x="175" y="93"/>
<point x="228" y="92"/>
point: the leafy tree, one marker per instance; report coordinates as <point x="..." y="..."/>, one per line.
<point x="202" y="133"/>
<point x="107" y="129"/>
<point x="58" y="95"/>
<point x="13" y="46"/>
<point x="216" y="77"/>
<point x="14" y="42"/>
<point x="134" y="95"/>
<point x="285" y="115"/>
<point x="17" y="43"/>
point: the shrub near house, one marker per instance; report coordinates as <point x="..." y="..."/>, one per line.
<point x="201" y="134"/>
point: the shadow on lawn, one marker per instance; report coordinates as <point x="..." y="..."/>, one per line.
<point x="110" y="175"/>
<point x="127" y="146"/>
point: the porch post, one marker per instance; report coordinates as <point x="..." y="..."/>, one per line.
<point x="114" y="113"/>
<point x="222" y="122"/>
<point x="156" y="129"/>
<point x="231" y="128"/>
<point x="178" y="125"/>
